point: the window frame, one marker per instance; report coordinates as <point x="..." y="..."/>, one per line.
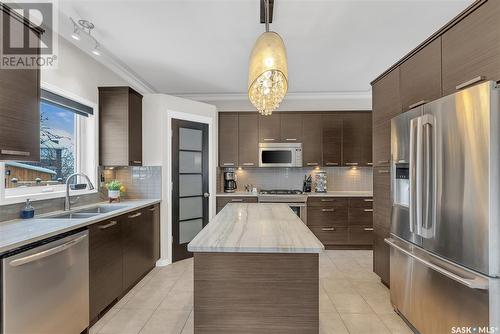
<point x="86" y="157"/>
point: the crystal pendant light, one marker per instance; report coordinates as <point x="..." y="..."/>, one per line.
<point x="268" y="72"/>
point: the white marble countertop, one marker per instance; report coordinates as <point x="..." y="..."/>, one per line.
<point x="311" y="194"/>
<point x="20" y="232"/>
<point x="256" y="228"/>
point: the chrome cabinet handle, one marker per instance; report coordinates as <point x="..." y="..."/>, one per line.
<point x="152" y="209"/>
<point x="312" y="164"/>
<point x="13" y="152"/>
<point x="417" y="104"/>
<point x="291" y="139"/>
<point x="326" y="200"/>
<point x="236" y="200"/>
<point x="351" y="163"/>
<point x="383" y="171"/>
<point x="332" y="164"/>
<point x="368" y="200"/>
<point x="135" y="215"/>
<point x="369" y="163"/>
<point x="368" y="229"/>
<point x="228" y="163"/>
<point x="470" y="82"/>
<point x="383" y="161"/>
<point x="46" y="253"/>
<point x="111" y="223"/>
<point x="368" y="210"/>
<point x="137" y="161"/>
<point x="478" y="283"/>
<point x="268" y="139"/>
<point x="248" y="164"/>
<point x="328" y="229"/>
<point x="328" y="210"/>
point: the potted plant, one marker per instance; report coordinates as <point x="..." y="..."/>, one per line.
<point x="114" y="187"/>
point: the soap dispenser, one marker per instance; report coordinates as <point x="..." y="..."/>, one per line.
<point x="28" y="211"/>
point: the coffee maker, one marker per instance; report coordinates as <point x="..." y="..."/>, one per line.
<point x="229" y="180"/>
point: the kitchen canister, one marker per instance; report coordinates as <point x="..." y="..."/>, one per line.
<point x="321" y="181"/>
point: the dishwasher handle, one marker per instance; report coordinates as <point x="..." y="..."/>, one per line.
<point x="46" y="253"/>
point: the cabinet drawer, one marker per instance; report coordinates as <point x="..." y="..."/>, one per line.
<point x="360" y="217"/>
<point x="327" y="216"/>
<point x="366" y="202"/>
<point x="327" y="201"/>
<point x="362" y="235"/>
<point x="331" y="235"/>
<point x="222" y="201"/>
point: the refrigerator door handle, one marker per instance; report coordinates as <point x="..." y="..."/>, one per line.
<point x="478" y="283"/>
<point x="413" y="173"/>
<point x="428" y="197"/>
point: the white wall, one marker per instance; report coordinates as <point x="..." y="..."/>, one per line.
<point x="158" y="112"/>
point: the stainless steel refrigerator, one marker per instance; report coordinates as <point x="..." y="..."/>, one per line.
<point x="445" y="220"/>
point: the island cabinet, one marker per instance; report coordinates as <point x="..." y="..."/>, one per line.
<point x="471" y="48"/>
<point x="256" y="270"/>
<point x="312" y="140"/>
<point x="341" y="222"/>
<point x="19" y="100"/>
<point x="228" y="139"/>
<point x="222" y="201"/>
<point x="120" y="127"/>
<point x="121" y="251"/>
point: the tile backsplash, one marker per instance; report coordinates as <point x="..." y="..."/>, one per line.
<point x="339" y="178"/>
<point x="139" y="181"/>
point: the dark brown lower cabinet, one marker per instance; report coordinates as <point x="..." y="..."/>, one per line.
<point x="381" y="256"/>
<point x="122" y="250"/>
<point x="341" y="222"/>
<point x="106" y="266"/>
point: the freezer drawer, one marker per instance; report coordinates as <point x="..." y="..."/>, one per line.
<point x="436" y="296"/>
<point x="46" y="289"/>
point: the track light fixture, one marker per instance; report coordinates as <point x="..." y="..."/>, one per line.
<point x="85" y="27"/>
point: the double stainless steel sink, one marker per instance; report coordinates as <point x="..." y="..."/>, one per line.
<point x="85" y="213"/>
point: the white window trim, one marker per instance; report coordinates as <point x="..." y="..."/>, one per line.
<point x="86" y="156"/>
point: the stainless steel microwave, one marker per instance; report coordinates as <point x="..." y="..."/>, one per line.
<point x="280" y="155"/>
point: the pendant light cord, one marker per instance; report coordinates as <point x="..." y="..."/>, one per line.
<point x="267" y="15"/>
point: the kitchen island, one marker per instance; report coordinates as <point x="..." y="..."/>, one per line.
<point x="256" y="270"/>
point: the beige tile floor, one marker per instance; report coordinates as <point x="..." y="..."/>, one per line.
<point x="352" y="300"/>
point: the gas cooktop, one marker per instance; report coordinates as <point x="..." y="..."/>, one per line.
<point x="280" y="192"/>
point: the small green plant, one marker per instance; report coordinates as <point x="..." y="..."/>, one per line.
<point x="114" y="185"/>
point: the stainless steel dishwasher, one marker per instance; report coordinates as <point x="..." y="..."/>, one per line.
<point x="46" y="288"/>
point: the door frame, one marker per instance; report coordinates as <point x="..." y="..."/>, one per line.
<point x="180" y="252"/>
<point x="166" y="230"/>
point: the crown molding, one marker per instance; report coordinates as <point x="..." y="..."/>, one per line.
<point x="319" y="101"/>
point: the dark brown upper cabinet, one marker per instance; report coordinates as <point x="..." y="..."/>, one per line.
<point x="269" y="128"/>
<point x="471" y="48"/>
<point x="19" y="102"/>
<point x="332" y="139"/>
<point x="382" y="144"/>
<point x="120" y="127"/>
<point x="312" y="140"/>
<point x="248" y="139"/>
<point x="357" y="139"/>
<point x="291" y="128"/>
<point x="386" y="100"/>
<point x="421" y="76"/>
<point x="228" y="139"/>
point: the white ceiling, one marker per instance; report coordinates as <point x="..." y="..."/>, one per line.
<point x="201" y="48"/>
